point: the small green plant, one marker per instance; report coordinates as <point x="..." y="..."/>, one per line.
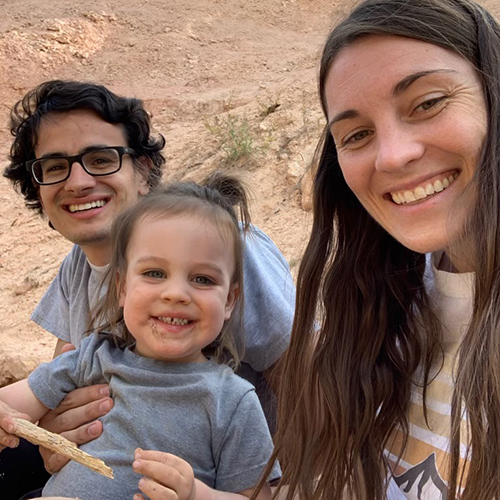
<point x="234" y="135"/>
<point x="268" y="105"/>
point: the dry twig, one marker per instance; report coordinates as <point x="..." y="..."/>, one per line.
<point x="60" y="445"/>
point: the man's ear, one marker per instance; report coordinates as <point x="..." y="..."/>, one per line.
<point x="144" y="167"/>
<point x="42" y="207"/>
<point x="232" y="298"/>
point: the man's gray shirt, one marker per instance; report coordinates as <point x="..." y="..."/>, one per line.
<point x="201" y="412"/>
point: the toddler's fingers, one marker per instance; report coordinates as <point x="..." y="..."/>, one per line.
<point x="7" y="440"/>
<point x="167" y="459"/>
<point x="162" y="473"/>
<point x="53" y="462"/>
<point x="156" y="491"/>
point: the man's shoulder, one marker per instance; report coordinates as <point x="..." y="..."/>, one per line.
<point x="75" y="257"/>
<point x="226" y="384"/>
<point x="74" y="265"/>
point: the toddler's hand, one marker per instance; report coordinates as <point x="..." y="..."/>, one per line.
<point x="8" y="440"/>
<point x="166" y="476"/>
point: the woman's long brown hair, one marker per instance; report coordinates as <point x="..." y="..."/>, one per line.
<point x="346" y="380"/>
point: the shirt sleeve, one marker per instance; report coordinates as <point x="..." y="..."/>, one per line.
<point x="269" y="301"/>
<point x="63" y="310"/>
<point x="246" y="448"/>
<point x="50" y="382"/>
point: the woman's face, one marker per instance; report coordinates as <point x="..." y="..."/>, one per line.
<point x="409" y="121"/>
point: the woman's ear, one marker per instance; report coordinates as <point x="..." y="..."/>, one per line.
<point x="232" y="297"/>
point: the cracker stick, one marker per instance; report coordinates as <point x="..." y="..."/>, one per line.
<point x="60" y="445"/>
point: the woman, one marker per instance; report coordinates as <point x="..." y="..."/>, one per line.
<point x="399" y="389"/>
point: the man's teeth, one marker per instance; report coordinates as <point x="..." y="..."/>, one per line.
<point x="173" y="321"/>
<point x="86" y="206"/>
<point x="422" y="192"/>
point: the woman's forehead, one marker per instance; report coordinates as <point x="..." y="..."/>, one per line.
<point x="382" y="61"/>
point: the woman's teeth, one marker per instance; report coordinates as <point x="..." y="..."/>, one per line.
<point x="422" y="192"/>
<point x="87" y="206"/>
<point x="173" y="321"/>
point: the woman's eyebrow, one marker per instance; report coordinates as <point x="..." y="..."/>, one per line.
<point x="400" y="87"/>
<point x="343" y="115"/>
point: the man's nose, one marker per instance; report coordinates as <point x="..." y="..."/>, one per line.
<point x="397" y="146"/>
<point x="79" y="179"/>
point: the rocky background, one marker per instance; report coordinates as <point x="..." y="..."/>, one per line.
<point x="230" y="84"/>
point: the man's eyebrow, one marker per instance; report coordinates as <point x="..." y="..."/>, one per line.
<point x="399" y="88"/>
<point x="55" y="154"/>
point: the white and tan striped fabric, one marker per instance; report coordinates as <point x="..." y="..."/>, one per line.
<point x="422" y="471"/>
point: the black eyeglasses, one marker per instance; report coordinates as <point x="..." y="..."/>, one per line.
<point x="99" y="161"/>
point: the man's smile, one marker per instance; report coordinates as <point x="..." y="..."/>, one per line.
<point x="86" y="206"/>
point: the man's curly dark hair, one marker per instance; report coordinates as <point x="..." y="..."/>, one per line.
<point x="59" y="96"/>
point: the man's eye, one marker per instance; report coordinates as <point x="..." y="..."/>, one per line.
<point x="101" y="158"/>
<point x="101" y="161"/>
<point x="203" y="280"/>
<point x="54" y="167"/>
<point x="156" y="274"/>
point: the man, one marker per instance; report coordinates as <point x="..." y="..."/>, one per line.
<point x="80" y="156"/>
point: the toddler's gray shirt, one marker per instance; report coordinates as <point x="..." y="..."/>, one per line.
<point x="201" y="412"/>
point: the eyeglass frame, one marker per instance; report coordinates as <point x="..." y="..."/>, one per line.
<point x="121" y="150"/>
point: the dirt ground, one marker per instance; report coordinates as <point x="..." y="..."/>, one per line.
<point x="205" y="69"/>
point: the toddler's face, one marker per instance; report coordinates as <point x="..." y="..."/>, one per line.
<point x="177" y="291"/>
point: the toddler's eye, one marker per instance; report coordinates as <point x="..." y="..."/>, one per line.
<point x="155" y="273"/>
<point x="203" y="280"/>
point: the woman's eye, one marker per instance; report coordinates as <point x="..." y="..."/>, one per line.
<point x="431" y="103"/>
<point x="357" y="136"/>
<point x="155" y="274"/>
<point x="203" y="280"/>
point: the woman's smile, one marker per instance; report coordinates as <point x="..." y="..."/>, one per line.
<point x="424" y="190"/>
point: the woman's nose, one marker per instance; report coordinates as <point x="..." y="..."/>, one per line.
<point x="397" y="146"/>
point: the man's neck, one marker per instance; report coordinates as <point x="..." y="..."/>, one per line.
<point x="97" y="255"/>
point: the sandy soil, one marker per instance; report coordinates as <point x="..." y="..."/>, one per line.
<point x="200" y="66"/>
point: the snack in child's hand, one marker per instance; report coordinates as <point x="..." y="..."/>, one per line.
<point x="60" y="445"/>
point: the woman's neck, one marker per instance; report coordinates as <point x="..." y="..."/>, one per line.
<point x="453" y="264"/>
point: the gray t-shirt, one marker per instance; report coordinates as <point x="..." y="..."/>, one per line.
<point x="201" y="412"/>
<point x="269" y="304"/>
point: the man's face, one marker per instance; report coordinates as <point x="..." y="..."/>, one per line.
<point x="83" y="207"/>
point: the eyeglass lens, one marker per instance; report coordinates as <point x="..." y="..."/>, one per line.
<point x="99" y="162"/>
